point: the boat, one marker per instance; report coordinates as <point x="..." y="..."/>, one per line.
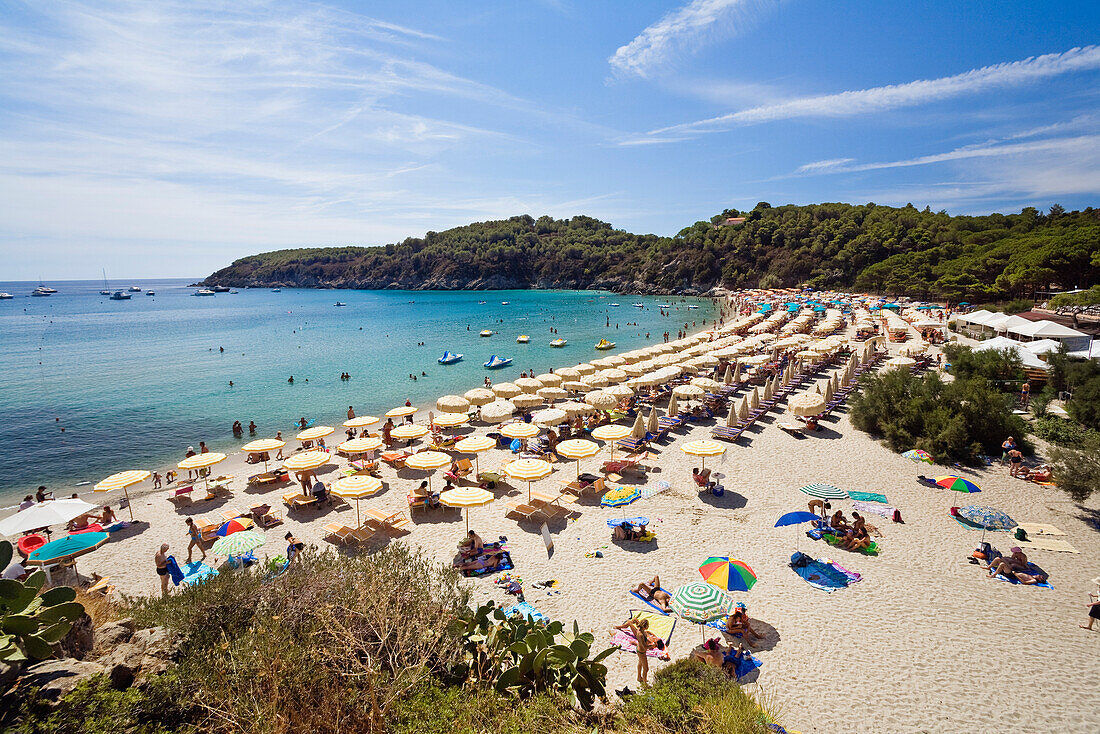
<point x="495" y="362"/>
<point x="504" y="303"/>
<point x="449" y="358"/>
<point x="481" y="303"/>
<point x="150" y="293"/>
<point x="106" y="286"/>
<point x="5" y="296"/>
<point x="340" y="303"/>
<point x="486" y="332"/>
<point x="276" y="290"/>
<point x="638" y="305"/>
<point x="220" y="289"/>
<point x="693" y="307"/>
<point x="135" y="289"/>
<point x="664" y="305"/>
<point x="558" y="343"/>
<point x="615" y="304"/>
<point x="522" y="339"/>
<point x="46" y="289"/>
<point x="234" y="292"/>
<point x="41" y="293"/>
<point x="120" y="296"/>
<point x="605" y="344"/>
<point x="203" y="292"/>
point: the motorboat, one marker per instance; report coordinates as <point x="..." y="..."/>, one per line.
<point x="495" y="362"/>
<point x="522" y="339"/>
<point x="276" y="290"/>
<point x="220" y="289"/>
<point x="135" y="289"/>
<point x="449" y="358"/>
<point x="638" y="305"/>
<point x="203" y="292"/>
<point x="604" y="344"/>
<point x="5" y="296"/>
<point x="41" y="292"/>
<point x="150" y="293"/>
<point x="486" y="332"/>
<point x="340" y="303"/>
<point x="558" y="343"/>
<point x="46" y="289"/>
<point x="693" y="307"/>
<point x="664" y="305"/>
<point x="615" y="305"/>
<point x="120" y="296"/>
<point x="504" y="303"/>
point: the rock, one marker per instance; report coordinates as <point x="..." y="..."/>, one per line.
<point x="147" y="652"/>
<point x="113" y="634"/>
<point x="80" y="640"/>
<point x="55" y="679"/>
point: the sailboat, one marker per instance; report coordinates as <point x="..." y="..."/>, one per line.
<point x="106" y="286"/>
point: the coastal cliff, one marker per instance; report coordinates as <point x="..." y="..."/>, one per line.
<point x="896" y="250"/>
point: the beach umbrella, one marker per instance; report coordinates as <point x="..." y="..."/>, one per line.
<point x="481" y="395"/>
<point x="361" y="421"/>
<point x="528" y="470"/>
<point x="568" y="373"/>
<point x="988" y="517"/>
<point x="584" y="369"/>
<point x="743" y="409"/>
<point x="523" y="400"/>
<point x="360" y="445"/>
<point x="918" y="455"/>
<point x="767" y="390"/>
<point x="528" y="384"/>
<point x="601" y="400"/>
<point x="619" y="391"/>
<point x="737" y="373"/>
<point x="700" y="602"/>
<point x="637" y="431"/>
<point x="450" y="420"/>
<point x="652" y="423"/>
<point x="263" y="446"/>
<point x="577" y="386"/>
<point x="409" y="431"/>
<point x="497" y="411"/>
<point x="828" y="391"/>
<point x="465" y="498"/>
<point x="238" y="544"/>
<point x="727" y="573"/>
<point x="754" y="398"/>
<point x="824" y="491"/>
<point x="66" y="549"/>
<point x="550" y="417"/>
<point x="44" y="514"/>
<point x="122" y="480"/>
<point x="401" y="411"/>
<point x="672" y="406"/>
<point x="305" y="461"/>
<point x="312" y="434"/>
<point x="452" y="404"/>
<point x="202" y="461"/>
<point x="957" y="484"/>
<point x="731" y="417"/>
<point x="618" y="496"/>
<point x="727" y="378"/>
<point x="549" y="379"/>
<point x="796" y="518"/>
<point x="899" y="362"/>
<point x="577" y="448"/>
<point x="703" y="448"/>
<point x="688" y="391"/>
<point x="552" y="393"/>
<point x="356" y="487"/>
<point x="614" y="375"/>
<point x="475" y="445"/>
<point x="573" y="409"/>
<point x="519" y="430"/>
<point x="809" y="403"/>
<point x="596" y="380"/>
<point x="235" y="525"/>
<point x="428" y="461"/>
<point x="706" y="383"/>
<point x="612" y="433"/>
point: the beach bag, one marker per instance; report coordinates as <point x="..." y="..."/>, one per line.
<point x="718" y="490"/>
<point x="897" y="516"/>
<point x="1021" y="534"/>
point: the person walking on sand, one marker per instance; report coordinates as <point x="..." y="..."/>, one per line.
<point x="1094" y="607"/>
<point x="195" y="540"/>
<point x="188" y="455"/>
<point x="161" y="561"/>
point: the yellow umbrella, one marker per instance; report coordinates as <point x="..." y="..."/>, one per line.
<point x="577" y="448"/>
<point x="356" y="488"/>
<point x="201" y="461"/>
<point x="361" y="421"/>
<point x="306" y="460"/>
<point x="409" y="431"/>
<point x="466" y="497"/>
<point x="360" y="445"/>
<point x="613" y="433"/>
<point x="520" y="430"/>
<point x="312" y="434"/>
<point x="401" y="412"/>
<point x="428" y="461"/>
<point x="703" y="449"/>
<point x="475" y="445"/>
<point x="122" y="480"/>
<point x="528" y="470"/>
<point x="450" y="420"/>
<point x="453" y="404"/>
<point x="262" y="445"/>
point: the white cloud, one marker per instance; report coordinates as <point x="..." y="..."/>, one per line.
<point x="686" y="27"/>
<point x="895" y="96"/>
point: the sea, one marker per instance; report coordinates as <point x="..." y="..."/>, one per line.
<point x="93" y="386"/>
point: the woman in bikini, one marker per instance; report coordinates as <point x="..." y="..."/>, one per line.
<point x="639" y="629"/>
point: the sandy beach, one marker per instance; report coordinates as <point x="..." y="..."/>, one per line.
<point x="925" y="642"/>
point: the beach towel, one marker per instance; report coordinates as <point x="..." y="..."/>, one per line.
<point x="659" y="626"/>
<point x="504" y="564"/>
<point x="867" y="496"/>
<point x="662" y="486"/>
<point x="874" y="508"/>
<point x="1032" y="569"/>
<point x="745" y="666"/>
<point x="1047" y="544"/>
<point x="835" y="541"/>
<point x="197" y="571"/>
<point x="526" y="610"/>
<point x="1038" y="528"/>
<point x="174" y="571"/>
<point x="649" y="603"/>
<point x="822" y="573"/>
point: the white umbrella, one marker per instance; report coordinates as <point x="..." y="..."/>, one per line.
<point x="688" y="391"/>
<point x="549" y="379"/>
<point x="452" y="404"/>
<point x="601" y="400"/>
<point x="550" y="417"/>
<point x="506" y="390"/>
<point x="479" y="396"/>
<point x="528" y="384"/>
<point x="672" y="405"/>
<point x="568" y="373"/>
<point x="573" y="409"/>
<point x="577" y="386"/>
<point x="44" y="514"/>
<point x="527" y="401"/>
<point x="619" y="391"/>
<point x="497" y="411"/>
<point x="552" y="393"/>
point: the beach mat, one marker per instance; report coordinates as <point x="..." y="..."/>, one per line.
<point x="524" y="609"/>
<point x="746" y="666"/>
<point x="1047" y="544"/>
<point x="874" y="508"/>
<point x="659" y="625"/>
<point x="1031" y="569"/>
<point x="196" y="571"/>
<point x="648" y="603"/>
<point x="835" y="541"/>
<point x="505" y="564"/>
<point x="1038" y="528"/>
<point x="867" y="496"/>
<point x="823" y="574"/>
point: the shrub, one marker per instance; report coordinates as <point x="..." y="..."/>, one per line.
<point x="1084" y="407"/>
<point x="1062" y="432"/>
<point x="690" y="696"/>
<point x="1001" y="367"/>
<point x="1077" y="470"/>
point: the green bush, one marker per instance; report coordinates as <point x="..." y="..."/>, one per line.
<point x="433" y="708"/>
<point x="1077" y="470"/>
<point x="1062" y="432"/>
<point x="1001" y="367"/>
<point x="688" y="696"/>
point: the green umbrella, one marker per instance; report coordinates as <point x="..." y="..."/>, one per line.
<point x="238" y="544"/>
<point x="824" y="492"/>
<point x="700" y="602"/>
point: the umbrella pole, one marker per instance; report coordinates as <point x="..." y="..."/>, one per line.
<point x="357" y="522"/>
<point x="129" y="506"/>
<point x="467" y="521"/>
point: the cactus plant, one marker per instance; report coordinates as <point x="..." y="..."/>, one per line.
<point x="518" y="655"/>
<point x="32" y="622"/>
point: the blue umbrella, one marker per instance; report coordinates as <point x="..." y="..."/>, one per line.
<point x="795" y="518"/>
<point x="988" y="517"/>
<point x="67" y="548"/>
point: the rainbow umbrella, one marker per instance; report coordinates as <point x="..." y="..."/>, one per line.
<point x="957" y="484"/>
<point x="235" y="525"/>
<point x="620" y="496"/>
<point x="918" y="455"/>
<point x="727" y="573"/>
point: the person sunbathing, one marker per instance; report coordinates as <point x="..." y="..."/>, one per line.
<point x="839" y="522"/>
<point x="626" y="531"/>
<point x="654" y="593"/>
<point x="711" y="653"/>
<point x="858" y="538"/>
<point x="485" y="561"/>
<point x="737" y="623"/>
<point x="108" y="516"/>
<point x="82" y="521"/>
<point x="1008" y="565"/>
<point x="733" y="658"/>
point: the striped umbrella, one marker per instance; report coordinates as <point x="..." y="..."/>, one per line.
<point x="918" y="455"/>
<point x="409" y="431"/>
<point x="401" y="411"/>
<point x="428" y="461"/>
<point x="703" y="448"/>
<point x="306" y="460"/>
<point x="619" y="496"/>
<point x="238" y="544"/>
<point x="356" y="487"/>
<point x="528" y="470"/>
<point x="361" y="421"/>
<point x="988" y="517"/>
<point x="824" y="491"/>
<point x="612" y="433"/>
<point x="466" y="497"/>
<point x="361" y="445"/>
<point x="263" y="446"/>
<point x="450" y="420"/>
<point x="957" y="484"/>
<point x="235" y="525"/>
<point x="475" y="445"/>
<point x="578" y="448"/>
<point x="700" y="602"/>
<point x="520" y="430"/>
<point x="202" y="461"/>
<point x="312" y="434"/>
<point x="727" y="573"/>
<point x="122" y="480"/>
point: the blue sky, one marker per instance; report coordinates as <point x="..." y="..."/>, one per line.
<point x="168" y="138"/>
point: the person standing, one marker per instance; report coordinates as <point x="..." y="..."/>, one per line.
<point x="156" y="480"/>
<point x="190" y="453"/>
<point x="161" y="561"/>
<point x="1008" y="445"/>
<point x="1093" y="605"/>
<point x="1015" y="462"/>
<point x="1025" y="395"/>
<point x="202" y="448"/>
<point x="351" y="413"/>
<point x="195" y="539"/>
<point x="42" y="494"/>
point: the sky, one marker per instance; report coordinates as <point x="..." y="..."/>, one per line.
<point x="165" y="139"/>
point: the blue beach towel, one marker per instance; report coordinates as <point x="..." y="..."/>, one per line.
<point x="822" y="573"/>
<point x="526" y="610"/>
<point x="174" y="571"/>
<point x="197" y="571"/>
<point x="1032" y="569"/>
<point x="746" y="665"/>
<point x="516" y="445"/>
<point x="649" y="603"/>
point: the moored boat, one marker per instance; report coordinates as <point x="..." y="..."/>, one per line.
<point x="120" y="296"/>
<point x="5" y="296"/>
<point x="522" y="339"/>
<point x="220" y="289"/>
<point x="449" y="358"/>
<point x="495" y="362"/>
<point x="150" y="293"/>
<point x="603" y="344"/>
<point x="340" y="303"/>
<point x="135" y="289"/>
<point x="558" y="343"/>
<point x="203" y="292"/>
<point x="486" y="332"/>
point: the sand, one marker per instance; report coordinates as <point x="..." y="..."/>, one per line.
<point x="924" y="643"/>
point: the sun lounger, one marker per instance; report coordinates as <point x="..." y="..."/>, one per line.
<point x="338" y="532"/>
<point x="391" y="521"/>
<point x="208" y="530"/>
<point x="230" y="514"/>
<point x="726" y="433"/>
<point x="181" y="493"/>
<point x="359" y="466"/>
<point x="264" y="516"/>
<point x="633" y="445"/>
<point x="295" y="500"/>
<point x="271" y="477"/>
<point x="396" y="459"/>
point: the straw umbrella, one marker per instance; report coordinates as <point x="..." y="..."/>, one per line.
<point x="497" y="411"/>
<point x="596" y="380"/>
<point x="452" y="404"/>
<point x="703" y="448"/>
<point x="506" y="390"/>
<point x="409" y="432"/>
<point x="613" y="375"/>
<point x="672" y="405"/>
<point x="737" y="372"/>
<point x="611" y="433"/>
<point x="520" y="430"/>
<point x="550" y="417"/>
<point x="578" y="448"/>
<point x="361" y="421"/>
<point x="743" y="409"/>
<point x="652" y="425"/>
<point x="356" y="488"/>
<point x="528" y="384"/>
<point x="900" y="363"/>
<point x="550" y="379"/>
<point x="809" y="403"/>
<point x="754" y="398"/>
<point x="203" y="461"/>
<point x="122" y="480"/>
<point x="428" y="461"/>
<point x="731" y="417"/>
<point x="727" y="378"/>
<point x="552" y="393"/>
<point x="528" y="470"/>
<point x="601" y="400"/>
<point x="465" y="498"/>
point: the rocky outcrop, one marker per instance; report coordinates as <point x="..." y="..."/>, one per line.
<point x="144" y="653"/>
<point x="56" y="679"/>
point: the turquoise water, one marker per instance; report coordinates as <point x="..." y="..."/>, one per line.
<point x="133" y="383"/>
